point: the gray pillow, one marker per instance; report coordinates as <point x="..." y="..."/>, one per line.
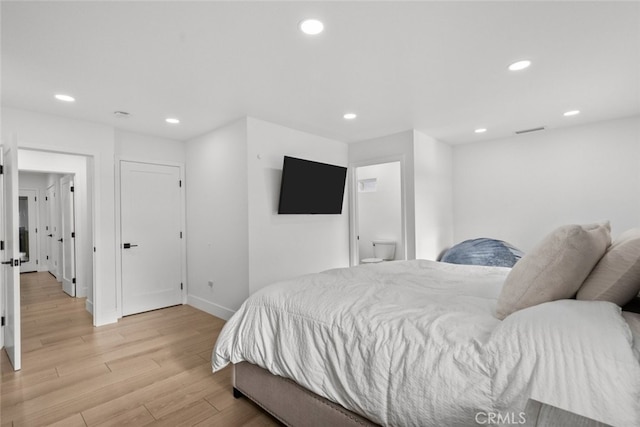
<point x="616" y="277"/>
<point x="483" y="251"/>
<point x="555" y="268"/>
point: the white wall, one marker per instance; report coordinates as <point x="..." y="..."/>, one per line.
<point x="100" y="145"/>
<point x="150" y="149"/>
<point x="433" y="180"/>
<point x="46" y="132"/>
<point x="285" y="246"/>
<point x="217" y="219"/>
<point x="379" y="212"/>
<point x="518" y="189"/>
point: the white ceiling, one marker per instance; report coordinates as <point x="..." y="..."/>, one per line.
<point x="439" y="67"/>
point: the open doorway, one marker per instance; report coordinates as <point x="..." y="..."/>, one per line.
<point x="28" y="219"/>
<point x="378" y="219"/>
<point x="78" y="166"/>
<point x="66" y="229"/>
<point x="47" y="226"/>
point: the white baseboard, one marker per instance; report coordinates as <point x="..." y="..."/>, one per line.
<point x="210" y="307"/>
<point x="105" y="318"/>
<point x="89" y="306"/>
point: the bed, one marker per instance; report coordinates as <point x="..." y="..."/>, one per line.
<point x="418" y="343"/>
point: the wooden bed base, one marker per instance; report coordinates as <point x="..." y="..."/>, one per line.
<point x="300" y="407"/>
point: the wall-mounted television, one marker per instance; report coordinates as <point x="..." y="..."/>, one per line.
<point x="309" y="187"/>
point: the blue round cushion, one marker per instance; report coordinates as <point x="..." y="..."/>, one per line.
<point x="483" y="251"/>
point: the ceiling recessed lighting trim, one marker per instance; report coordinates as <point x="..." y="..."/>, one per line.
<point x="480" y="130"/>
<point x="520" y="65"/>
<point x="172" y="120"/>
<point x="311" y="27"/>
<point x="65" y="98"/>
<point x="350" y="116"/>
<point x="572" y="113"/>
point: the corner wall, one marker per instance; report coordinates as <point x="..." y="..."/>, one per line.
<point x="427" y="179"/>
<point x="217" y="220"/>
<point x="519" y="189"/>
<point x="236" y="239"/>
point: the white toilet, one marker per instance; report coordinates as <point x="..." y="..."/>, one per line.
<point x="383" y="250"/>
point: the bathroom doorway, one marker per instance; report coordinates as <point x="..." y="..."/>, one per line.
<point x="379" y="213"/>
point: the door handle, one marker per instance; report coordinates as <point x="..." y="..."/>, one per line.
<point x="128" y="246"/>
<point x="60" y="240"/>
<point x="50" y="235"/>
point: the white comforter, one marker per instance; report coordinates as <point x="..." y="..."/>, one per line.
<point x="415" y="343"/>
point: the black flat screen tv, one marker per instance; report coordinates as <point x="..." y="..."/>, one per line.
<point x="309" y="187"/>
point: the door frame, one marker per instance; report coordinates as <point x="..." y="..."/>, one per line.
<point x="101" y="315"/>
<point x="118" y="209"/>
<point x="352" y="178"/>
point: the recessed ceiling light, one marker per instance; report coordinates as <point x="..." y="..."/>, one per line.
<point x="311" y="27"/>
<point x="572" y="113"/>
<point x="520" y="65"/>
<point x="65" y="98"/>
<point x="172" y="121"/>
<point x="480" y="130"/>
<point x="350" y="116"/>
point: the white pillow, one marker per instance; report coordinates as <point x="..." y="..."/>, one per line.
<point x="555" y="268"/>
<point x="616" y="277"/>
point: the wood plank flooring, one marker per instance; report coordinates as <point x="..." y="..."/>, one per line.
<point x="148" y="369"/>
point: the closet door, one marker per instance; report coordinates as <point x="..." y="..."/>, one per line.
<point x="51" y="230"/>
<point x="151" y="236"/>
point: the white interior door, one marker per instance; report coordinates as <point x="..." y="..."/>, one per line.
<point x="27" y="230"/>
<point x="150" y="207"/>
<point x="68" y="235"/>
<point x="51" y="230"/>
<point x="11" y="255"/>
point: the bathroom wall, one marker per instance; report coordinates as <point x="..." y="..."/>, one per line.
<point x="379" y="211"/>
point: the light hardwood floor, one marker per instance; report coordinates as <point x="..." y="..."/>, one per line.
<point x="148" y="369"/>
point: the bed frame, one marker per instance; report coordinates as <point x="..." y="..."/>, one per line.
<point x="300" y="407"/>
<point x="295" y="406"/>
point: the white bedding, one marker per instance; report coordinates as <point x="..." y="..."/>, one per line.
<point x="415" y="343"/>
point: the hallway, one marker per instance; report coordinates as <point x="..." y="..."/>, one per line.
<point x="148" y="369"/>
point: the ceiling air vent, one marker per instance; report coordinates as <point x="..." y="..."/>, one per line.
<point x="121" y="114"/>
<point x="518" y="132"/>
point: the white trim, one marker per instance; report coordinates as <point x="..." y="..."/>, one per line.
<point x="209" y="307"/>
<point x="88" y="305"/>
<point x="353" y="203"/>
